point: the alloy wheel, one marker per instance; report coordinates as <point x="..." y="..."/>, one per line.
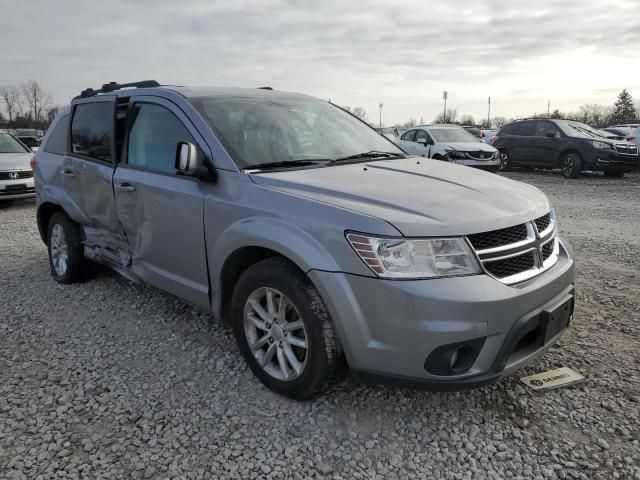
<point x="504" y="161"/>
<point x="567" y="166"/>
<point x="59" y="249"/>
<point x="275" y="334"/>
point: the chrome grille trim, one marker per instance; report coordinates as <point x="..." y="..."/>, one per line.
<point x="626" y="148"/>
<point x="534" y="244"/>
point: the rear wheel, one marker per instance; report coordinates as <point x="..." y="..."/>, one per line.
<point x="505" y="161"/>
<point x="571" y="165"/>
<point x="283" y="329"/>
<point x="612" y="173"/>
<point x="66" y="256"/>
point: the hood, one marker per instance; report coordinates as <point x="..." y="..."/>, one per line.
<point x="470" y="146"/>
<point x="420" y="197"/>
<point x="15" y="161"/>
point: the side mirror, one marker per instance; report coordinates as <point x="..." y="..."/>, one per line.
<point x="550" y="134"/>
<point x="189" y="161"/>
<point x="422" y="141"/>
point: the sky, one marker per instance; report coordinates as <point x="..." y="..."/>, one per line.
<point x="400" y="53"/>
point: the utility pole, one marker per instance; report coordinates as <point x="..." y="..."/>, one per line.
<point x="444" y="115"/>
<point x="380" y="115"/>
<point x="548" y="108"/>
<point x="489" y="115"/>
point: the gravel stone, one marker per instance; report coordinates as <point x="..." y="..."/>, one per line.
<point x="109" y="379"/>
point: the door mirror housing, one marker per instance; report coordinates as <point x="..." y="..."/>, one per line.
<point x="422" y="141"/>
<point x="190" y="162"/>
<point x="550" y="134"/>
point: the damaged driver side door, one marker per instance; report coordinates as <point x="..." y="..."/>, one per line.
<point x="161" y="210"/>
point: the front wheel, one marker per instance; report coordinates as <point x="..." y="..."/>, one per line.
<point x="571" y="165"/>
<point x="283" y="329"/>
<point x="505" y="161"/>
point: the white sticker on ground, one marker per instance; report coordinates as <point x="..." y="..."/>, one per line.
<point x="560" y="377"/>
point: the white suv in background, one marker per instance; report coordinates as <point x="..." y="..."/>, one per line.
<point x="451" y="143"/>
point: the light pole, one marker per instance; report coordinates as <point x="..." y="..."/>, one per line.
<point x="489" y="115"/>
<point x="444" y="114"/>
<point x="548" y="108"/>
<point x="380" y="115"/>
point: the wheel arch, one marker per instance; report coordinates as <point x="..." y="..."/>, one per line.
<point x="558" y="162"/>
<point x="43" y="215"/>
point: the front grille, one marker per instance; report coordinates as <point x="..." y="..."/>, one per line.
<point x="480" y="155"/>
<point x="518" y="253"/>
<point x="21" y="174"/>
<point x="498" y="238"/>
<point x="543" y="222"/>
<point x="547" y="249"/>
<point x="22" y="190"/>
<point x="511" y="266"/>
<point x="626" y="148"/>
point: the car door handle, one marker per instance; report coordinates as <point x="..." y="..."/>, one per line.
<point x="125" y="187"/>
<point x="68" y="173"/>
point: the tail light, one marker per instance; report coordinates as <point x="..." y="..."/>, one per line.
<point x="32" y="163"/>
<point x="630" y="139"/>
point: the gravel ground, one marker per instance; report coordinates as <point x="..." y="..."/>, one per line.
<point x="109" y="379"/>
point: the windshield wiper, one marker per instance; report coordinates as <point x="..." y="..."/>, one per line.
<point x="284" y="164"/>
<point x="365" y="155"/>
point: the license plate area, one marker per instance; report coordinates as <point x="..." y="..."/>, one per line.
<point x="557" y="319"/>
<point x="19" y="188"/>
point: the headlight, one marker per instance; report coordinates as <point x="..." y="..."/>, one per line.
<point x="602" y="145"/>
<point x="456" y="154"/>
<point x="420" y="258"/>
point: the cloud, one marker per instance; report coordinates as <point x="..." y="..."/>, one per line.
<point x="403" y="53"/>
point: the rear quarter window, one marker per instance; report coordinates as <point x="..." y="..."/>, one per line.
<point x="92" y="130"/>
<point x="57" y="142"/>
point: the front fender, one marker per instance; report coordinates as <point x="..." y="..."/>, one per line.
<point x="307" y="251"/>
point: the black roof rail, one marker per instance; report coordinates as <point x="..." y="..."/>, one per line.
<point x="265" y="88"/>
<point x="112" y="86"/>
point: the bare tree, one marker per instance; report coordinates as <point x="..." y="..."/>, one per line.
<point x="498" y="121"/>
<point x="467" y="120"/>
<point x="412" y="122"/>
<point x="38" y="101"/>
<point x="452" y="115"/>
<point x="51" y="114"/>
<point x="592" y="114"/>
<point x="11" y="97"/>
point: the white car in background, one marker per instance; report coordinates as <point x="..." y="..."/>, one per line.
<point x="450" y="143"/>
<point x="16" y="176"/>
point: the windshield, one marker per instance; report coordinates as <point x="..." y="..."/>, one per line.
<point x="8" y="144"/>
<point x="577" y="129"/>
<point x="260" y="130"/>
<point x="446" y="135"/>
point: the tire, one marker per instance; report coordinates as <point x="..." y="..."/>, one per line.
<point x="614" y="173"/>
<point x="319" y="363"/>
<point x="505" y="161"/>
<point x="66" y="257"/>
<point x="571" y="165"/>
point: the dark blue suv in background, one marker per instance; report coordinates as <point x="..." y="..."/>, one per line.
<point x="565" y="144"/>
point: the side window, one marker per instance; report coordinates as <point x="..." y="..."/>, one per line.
<point x="421" y="134"/>
<point x="409" y="136"/>
<point x="508" y="129"/>
<point x="92" y="130"/>
<point x="154" y="138"/>
<point x="543" y="127"/>
<point x="57" y="142"/>
<point x="527" y="129"/>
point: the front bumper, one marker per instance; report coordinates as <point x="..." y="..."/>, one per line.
<point x="615" y="161"/>
<point x="16" y="189"/>
<point x="389" y="328"/>
<point x="477" y="163"/>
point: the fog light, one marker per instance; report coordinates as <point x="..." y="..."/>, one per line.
<point x="459" y="358"/>
<point x="454" y="358"/>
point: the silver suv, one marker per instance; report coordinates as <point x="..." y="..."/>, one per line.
<point x="321" y="242"/>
